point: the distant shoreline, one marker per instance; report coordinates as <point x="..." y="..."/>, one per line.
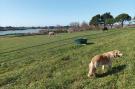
<point x="19" y="31"/>
<point x="16" y="30"/>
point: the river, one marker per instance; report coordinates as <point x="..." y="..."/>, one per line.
<point x="19" y="31"/>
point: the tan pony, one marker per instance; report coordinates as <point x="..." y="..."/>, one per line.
<point x="51" y="33"/>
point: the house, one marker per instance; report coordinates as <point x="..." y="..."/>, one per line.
<point x="132" y="23"/>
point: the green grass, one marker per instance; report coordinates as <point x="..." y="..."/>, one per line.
<point x="42" y="62"/>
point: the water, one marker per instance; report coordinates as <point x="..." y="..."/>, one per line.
<point x="20" y="31"/>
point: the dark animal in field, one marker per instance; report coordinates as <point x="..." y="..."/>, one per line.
<point x="105" y="29"/>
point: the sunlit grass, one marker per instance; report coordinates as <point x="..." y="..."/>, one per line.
<point x="43" y="62"/>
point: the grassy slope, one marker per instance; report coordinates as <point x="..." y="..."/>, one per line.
<point x="42" y="62"/>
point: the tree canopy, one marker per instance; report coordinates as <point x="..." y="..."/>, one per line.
<point x="106" y="18"/>
<point x="123" y="17"/>
<point x="101" y="19"/>
<point x="110" y="21"/>
<point x="95" y="20"/>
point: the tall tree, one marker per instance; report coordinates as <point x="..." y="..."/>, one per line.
<point x="105" y="17"/>
<point x="95" y="20"/>
<point x="110" y="21"/>
<point x="75" y="26"/>
<point x="84" y="26"/>
<point x="122" y="18"/>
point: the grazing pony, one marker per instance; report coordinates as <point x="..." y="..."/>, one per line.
<point x="51" y="33"/>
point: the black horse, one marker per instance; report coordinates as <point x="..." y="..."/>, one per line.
<point x="105" y="29"/>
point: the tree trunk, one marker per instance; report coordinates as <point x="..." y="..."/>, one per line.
<point x="104" y="25"/>
<point x="122" y="23"/>
<point x="111" y="25"/>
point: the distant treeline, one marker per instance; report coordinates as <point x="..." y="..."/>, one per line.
<point x="99" y="21"/>
<point x="11" y="28"/>
<point x="25" y="28"/>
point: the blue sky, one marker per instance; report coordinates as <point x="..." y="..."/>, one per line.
<point x="58" y="12"/>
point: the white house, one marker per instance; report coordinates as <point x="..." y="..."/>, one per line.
<point x="132" y="22"/>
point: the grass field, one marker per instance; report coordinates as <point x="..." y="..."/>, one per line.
<point x="42" y="62"/>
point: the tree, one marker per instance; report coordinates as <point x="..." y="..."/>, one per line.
<point x="59" y="27"/>
<point x="101" y="19"/>
<point x="110" y="21"/>
<point x="122" y="18"/>
<point x="106" y="17"/>
<point x="95" y="20"/>
<point x="75" y="26"/>
<point x="84" y="26"/>
<point x="1" y="28"/>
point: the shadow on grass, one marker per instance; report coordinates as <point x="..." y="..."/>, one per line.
<point x="114" y="70"/>
<point x="90" y="43"/>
